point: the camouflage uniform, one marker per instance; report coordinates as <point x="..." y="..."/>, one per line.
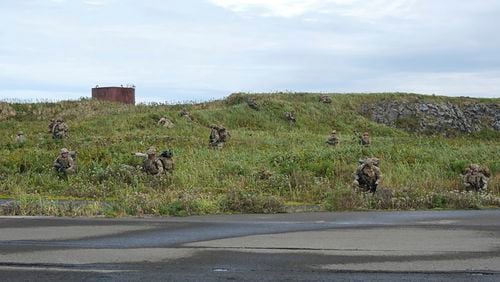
<point x="165" y="122"/>
<point x="476" y="178"/>
<point x="290" y="116"/>
<point x="214" y="135"/>
<point x="368" y="176"/>
<point x="365" y="139"/>
<point x="167" y="161"/>
<point x="253" y="104"/>
<point x="20" y="138"/>
<point x="325" y="99"/>
<point x="333" y="139"/>
<point x="64" y="163"/>
<point x="185" y="114"/>
<point x="152" y="165"/>
<point x="60" y="129"/>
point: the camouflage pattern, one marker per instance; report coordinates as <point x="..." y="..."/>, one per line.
<point x="60" y="130"/>
<point x="165" y="122"/>
<point x="333" y="139"/>
<point x="290" y="117"/>
<point x="20" y="138"/>
<point x="325" y="99"/>
<point x="185" y="114"/>
<point x="152" y="165"/>
<point x="64" y="163"/>
<point x="476" y="178"/>
<point x="253" y="104"/>
<point x="219" y="135"/>
<point x="368" y="175"/>
<point x="365" y="139"/>
<point x="167" y="161"/>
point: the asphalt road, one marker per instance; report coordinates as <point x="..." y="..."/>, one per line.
<point x="359" y="246"/>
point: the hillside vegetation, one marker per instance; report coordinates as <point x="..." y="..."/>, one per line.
<point x="266" y="165"/>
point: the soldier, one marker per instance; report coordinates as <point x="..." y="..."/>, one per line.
<point x="325" y="99"/>
<point x="214" y="135"/>
<point x="333" y="139"/>
<point x="60" y="129"/>
<point x="365" y="139"/>
<point x="152" y="165"/>
<point x="167" y="161"/>
<point x="223" y="136"/>
<point x="64" y="163"/>
<point x="20" y="138"/>
<point x="185" y="114"/>
<point x="290" y="116"/>
<point x="253" y="104"/>
<point x="165" y="122"/>
<point x="368" y="176"/>
<point x="476" y="178"/>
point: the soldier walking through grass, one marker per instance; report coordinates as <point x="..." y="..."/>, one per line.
<point x="476" y="178"/>
<point x="368" y="175"/>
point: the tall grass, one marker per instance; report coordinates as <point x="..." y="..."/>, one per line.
<point x="300" y="166"/>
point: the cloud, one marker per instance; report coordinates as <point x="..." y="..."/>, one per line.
<point x="360" y="9"/>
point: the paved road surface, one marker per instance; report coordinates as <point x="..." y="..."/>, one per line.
<point x="410" y="246"/>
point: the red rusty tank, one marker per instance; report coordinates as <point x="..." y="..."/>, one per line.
<point x="124" y="95"/>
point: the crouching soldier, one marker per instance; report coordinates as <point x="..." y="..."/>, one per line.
<point x="64" y="164"/>
<point x="333" y="139"/>
<point x="368" y="176"/>
<point x="253" y="104"/>
<point x="60" y="129"/>
<point x="152" y="165"/>
<point x="20" y="138"/>
<point x="476" y="178"/>
<point x="290" y="117"/>
<point x="166" y="158"/>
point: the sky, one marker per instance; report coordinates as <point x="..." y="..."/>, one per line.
<point x="198" y="50"/>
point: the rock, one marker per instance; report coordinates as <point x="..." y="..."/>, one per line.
<point x="434" y="117"/>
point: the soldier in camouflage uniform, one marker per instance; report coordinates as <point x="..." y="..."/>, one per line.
<point x="476" y="178"/>
<point x="223" y="136"/>
<point x="214" y="137"/>
<point x="166" y="158"/>
<point x="368" y="176"/>
<point x="64" y="163"/>
<point x="20" y="138"/>
<point x="165" y="122"/>
<point x="253" y="104"/>
<point x="185" y="114"/>
<point x="333" y="139"/>
<point x="60" y="129"/>
<point x="365" y="139"/>
<point x="152" y="165"/>
<point x="290" y="117"/>
<point x="325" y="99"/>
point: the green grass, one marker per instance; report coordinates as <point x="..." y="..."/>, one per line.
<point x="424" y="170"/>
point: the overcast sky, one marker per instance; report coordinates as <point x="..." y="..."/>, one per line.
<point x="206" y="49"/>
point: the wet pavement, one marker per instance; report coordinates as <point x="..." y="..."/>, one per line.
<point x="411" y="246"/>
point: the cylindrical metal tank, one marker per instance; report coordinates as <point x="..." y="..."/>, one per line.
<point x="114" y="94"/>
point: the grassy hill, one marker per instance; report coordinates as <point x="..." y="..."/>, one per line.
<point x="266" y="164"/>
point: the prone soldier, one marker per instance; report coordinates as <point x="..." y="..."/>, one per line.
<point x="333" y="139"/>
<point x="20" y="138"/>
<point x="290" y="117"/>
<point x="253" y="104"/>
<point x="165" y="122"/>
<point x="325" y="99"/>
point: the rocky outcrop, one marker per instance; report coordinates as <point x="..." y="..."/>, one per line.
<point x="434" y="117"/>
<point x="6" y="111"/>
